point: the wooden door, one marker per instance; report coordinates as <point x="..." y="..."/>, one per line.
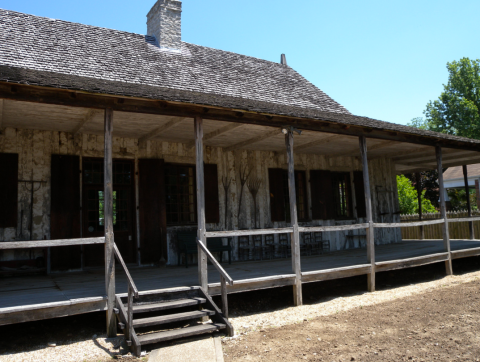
<point x="65" y="210"/>
<point x="123" y="208"/>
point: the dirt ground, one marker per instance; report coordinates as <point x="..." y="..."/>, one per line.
<point x="443" y="327"/>
<point x="439" y="325"/>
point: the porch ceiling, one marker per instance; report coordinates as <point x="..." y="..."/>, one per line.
<point x="408" y="157"/>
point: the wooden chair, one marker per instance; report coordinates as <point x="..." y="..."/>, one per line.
<point x="244" y="248"/>
<point x="305" y="243"/>
<point x="322" y="245"/>
<point x="270" y="243"/>
<point x="284" y="246"/>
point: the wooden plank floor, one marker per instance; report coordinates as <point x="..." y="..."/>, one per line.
<point x="34" y="290"/>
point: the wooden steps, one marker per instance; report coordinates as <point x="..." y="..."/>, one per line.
<point x="169" y="315"/>
<point x="170" y="318"/>
<point x="145" y="308"/>
<point x="180" y="333"/>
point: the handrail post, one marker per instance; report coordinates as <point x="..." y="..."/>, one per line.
<point x="108" y="222"/>
<point x="223" y="284"/>
<point x="368" y="203"/>
<point x="443" y="210"/>
<point x="130" y="312"/>
<point x="418" y="181"/>
<point x="202" y="259"/>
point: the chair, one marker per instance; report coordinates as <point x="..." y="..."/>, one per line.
<point x="270" y="242"/>
<point x="284" y="246"/>
<point x="244" y="248"/>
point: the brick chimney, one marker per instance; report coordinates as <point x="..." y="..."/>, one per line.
<point x="164" y="22"/>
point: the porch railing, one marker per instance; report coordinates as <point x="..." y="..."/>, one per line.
<point x="224" y="277"/>
<point x="132" y="291"/>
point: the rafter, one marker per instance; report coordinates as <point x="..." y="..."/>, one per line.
<point x="431" y="166"/>
<point x="452" y="156"/>
<point x="163" y="128"/>
<point x="218" y="132"/>
<point x="250" y="141"/>
<point x="427" y="156"/>
<point x="319" y="142"/>
<point x="87" y="118"/>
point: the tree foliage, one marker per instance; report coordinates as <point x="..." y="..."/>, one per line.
<point x="457" y="110"/>
<point x="408" y="198"/>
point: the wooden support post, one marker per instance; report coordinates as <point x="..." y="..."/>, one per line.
<point x="108" y="222"/>
<point x="368" y="203"/>
<point x="202" y="258"/>
<point x="418" y="181"/>
<point x="223" y="285"/>
<point x="295" y="239"/>
<point x="469" y="206"/>
<point x="443" y="211"/>
<point x="137" y="211"/>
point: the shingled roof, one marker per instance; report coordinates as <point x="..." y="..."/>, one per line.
<point x="54" y="53"/>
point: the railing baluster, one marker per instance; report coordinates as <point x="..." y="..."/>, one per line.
<point x="130" y="312"/>
<point x="223" y="283"/>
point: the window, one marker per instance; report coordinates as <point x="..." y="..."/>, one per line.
<point x="341" y="194"/>
<point x="331" y="195"/>
<point x="180" y="194"/>
<point x="93" y="188"/>
<point x="279" y="195"/>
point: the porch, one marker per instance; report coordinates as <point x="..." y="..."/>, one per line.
<point x="37" y="297"/>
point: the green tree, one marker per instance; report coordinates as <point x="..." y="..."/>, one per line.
<point x="457" y="110"/>
<point x="407" y="196"/>
<point x="420" y="123"/>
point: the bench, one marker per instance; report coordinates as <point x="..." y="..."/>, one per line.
<point x="187" y="244"/>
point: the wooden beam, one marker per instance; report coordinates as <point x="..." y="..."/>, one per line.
<point x="469" y="206"/>
<point x="108" y="222"/>
<point x="202" y="257"/>
<point x="315" y="143"/>
<point x="295" y="239"/>
<point x="336" y="273"/>
<point x="218" y="132"/>
<point x="411" y="262"/>
<point x="174" y="121"/>
<point x="251" y="141"/>
<point x="254" y="284"/>
<point x="443" y="211"/>
<point x="405" y="153"/>
<point x="465" y="253"/>
<point x="368" y="203"/>
<point x="323" y="122"/>
<point x="91" y="113"/>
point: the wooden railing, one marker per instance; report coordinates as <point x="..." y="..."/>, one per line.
<point x="224" y="277"/>
<point x="49" y="243"/>
<point x="132" y="291"/>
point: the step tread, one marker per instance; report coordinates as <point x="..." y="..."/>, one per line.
<point x="145" y="322"/>
<point x="179" y="333"/>
<point x="142" y="308"/>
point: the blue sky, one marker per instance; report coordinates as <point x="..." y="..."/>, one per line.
<point x="381" y="59"/>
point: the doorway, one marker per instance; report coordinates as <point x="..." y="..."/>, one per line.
<point x="123" y="209"/>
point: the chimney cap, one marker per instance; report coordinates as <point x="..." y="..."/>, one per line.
<point x="283" y="59"/>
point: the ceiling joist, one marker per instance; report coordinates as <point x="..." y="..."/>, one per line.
<point x="428" y="156"/>
<point x="87" y="118"/>
<point x="356" y="151"/>
<point x="454" y="156"/>
<point x="251" y="141"/>
<point x="163" y="128"/>
<point x="218" y="132"/>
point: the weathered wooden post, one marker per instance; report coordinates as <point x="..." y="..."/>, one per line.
<point x="469" y="206"/>
<point x="295" y="239"/>
<point x="108" y="223"/>
<point x="368" y="204"/>
<point x="419" y="197"/>
<point x="443" y="211"/>
<point x="202" y="258"/>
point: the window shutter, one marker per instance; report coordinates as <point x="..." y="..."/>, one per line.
<point x="212" y="213"/>
<point x="323" y="207"/>
<point x="8" y="189"/>
<point x="65" y="210"/>
<point x="359" y="193"/>
<point x="153" y="219"/>
<point x="277" y="198"/>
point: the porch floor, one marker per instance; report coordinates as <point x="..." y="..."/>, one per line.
<point x="32" y="291"/>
